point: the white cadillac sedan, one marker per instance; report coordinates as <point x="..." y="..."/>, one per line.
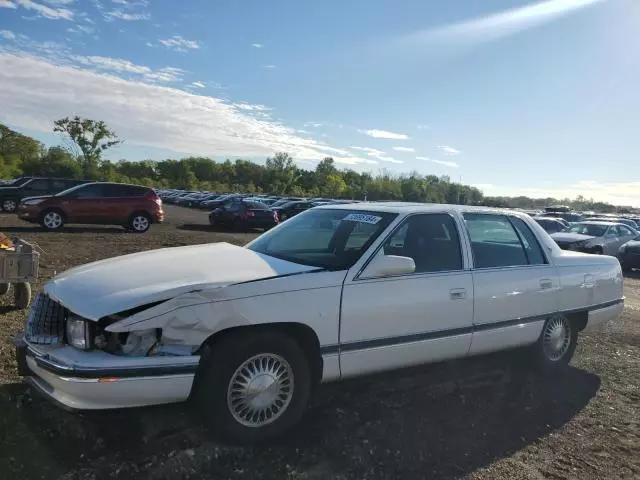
<point x="335" y="292"/>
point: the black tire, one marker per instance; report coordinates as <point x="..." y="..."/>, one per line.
<point x="22" y="295"/>
<point x="4" y="288"/>
<point x="9" y="205"/>
<point x="546" y="352"/>
<point x="598" y="250"/>
<point x="139" y="222"/>
<point x="52" y="219"/>
<point x="217" y="370"/>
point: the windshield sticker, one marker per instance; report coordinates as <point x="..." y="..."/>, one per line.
<point x="361" y="217"/>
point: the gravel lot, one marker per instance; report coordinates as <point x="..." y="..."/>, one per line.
<point x="484" y="418"/>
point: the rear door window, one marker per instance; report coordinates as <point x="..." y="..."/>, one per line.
<point x="90" y="191"/>
<point x="494" y="241"/>
<point x="38" y="187"/>
<point x="529" y="241"/>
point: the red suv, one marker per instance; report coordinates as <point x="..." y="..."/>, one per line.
<point x="131" y="206"/>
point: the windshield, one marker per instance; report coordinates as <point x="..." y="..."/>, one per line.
<point x="593" y="229"/>
<point x="325" y="238"/>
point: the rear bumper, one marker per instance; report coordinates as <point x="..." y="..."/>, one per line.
<point x="75" y="386"/>
<point x="602" y="315"/>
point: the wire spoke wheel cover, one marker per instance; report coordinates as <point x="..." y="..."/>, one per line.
<point x="52" y="220"/>
<point x="556" y="338"/>
<point x="260" y="390"/>
<point x="9" y="205"/>
<point x="140" y="223"/>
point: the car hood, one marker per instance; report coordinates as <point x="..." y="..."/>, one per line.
<point x="39" y="197"/>
<point x="118" y="284"/>
<point x="570" y="237"/>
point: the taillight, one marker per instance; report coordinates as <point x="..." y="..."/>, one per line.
<point x="156" y="198"/>
<point x="275" y="217"/>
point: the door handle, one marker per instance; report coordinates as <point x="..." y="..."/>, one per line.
<point x="546" y="283"/>
<point x="458" y="293"/>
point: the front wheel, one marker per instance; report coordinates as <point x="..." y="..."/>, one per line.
<point x="557" y="342"/>
<point x="253" y="387"/>
<point x="52" y="220"/>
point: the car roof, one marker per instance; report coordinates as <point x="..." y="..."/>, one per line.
<point x="408" y="207"/>
<point x="602" y="222"/>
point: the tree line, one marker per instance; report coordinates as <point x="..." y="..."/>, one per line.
<point x="86" y="141"/>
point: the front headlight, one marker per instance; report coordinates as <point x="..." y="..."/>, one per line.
<point x="78" y="332"/>
<point x="35" y="201"/>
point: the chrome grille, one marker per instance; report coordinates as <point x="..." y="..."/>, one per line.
<point x="45" y="322"/>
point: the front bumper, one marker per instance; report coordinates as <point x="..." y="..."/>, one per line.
<point x="78" y="380"/>
<point x="28" y="213"/>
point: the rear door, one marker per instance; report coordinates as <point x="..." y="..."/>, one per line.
<point x="35" y="188"/>
<point x="121" y="201"/>
<point x="515" y="286"/>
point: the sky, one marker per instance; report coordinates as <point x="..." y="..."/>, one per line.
<point x="516" y="97"/>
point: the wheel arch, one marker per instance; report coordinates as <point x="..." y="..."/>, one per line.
<point x="303" y="334"/>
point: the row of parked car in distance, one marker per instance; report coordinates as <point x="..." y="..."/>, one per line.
<point x="244" y="210"/>
<point x="594" y="233"/>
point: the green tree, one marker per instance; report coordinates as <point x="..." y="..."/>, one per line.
<point x="91" y="137"/>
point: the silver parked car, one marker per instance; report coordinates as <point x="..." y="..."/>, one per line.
<point x="594" y="237"/>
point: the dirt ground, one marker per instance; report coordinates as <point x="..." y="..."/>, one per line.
<point x="483" y="418"/>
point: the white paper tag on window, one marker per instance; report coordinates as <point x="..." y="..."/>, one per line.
<point x="363" y="218"/>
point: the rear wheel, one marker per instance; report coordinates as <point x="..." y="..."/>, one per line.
<point x="52" y="220"/>
<point x="557" y="342"/>
<point x="139" y="222"/>
<point x="9" y="205"/>
<point x="253" y="387"/>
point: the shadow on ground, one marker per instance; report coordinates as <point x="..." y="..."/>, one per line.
<point x="433" y="422"/>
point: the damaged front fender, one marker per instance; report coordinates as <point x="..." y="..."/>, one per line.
<point x="188" y="319"/>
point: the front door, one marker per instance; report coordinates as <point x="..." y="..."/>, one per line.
<point x="396" y="321"/>
<point x="86" y="204"/>
<point x="516" y="288"/>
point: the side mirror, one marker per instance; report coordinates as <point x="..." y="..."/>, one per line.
<point x="385" y="265"/>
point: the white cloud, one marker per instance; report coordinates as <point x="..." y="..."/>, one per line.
<point x="59" y="2"/>
<point x="375" y="153"/>
<point x="165" y="74"/>
<point x="439" y="162"/>
<point x="312" y="124"/>
<point x="7" y="4"/>
<point x="81" y="29"/>
<point x="125" y="16"/>
<point x="498" y="25"/>
<point x="180" y="44"/>
<point x="269" y="67"/>
<point x="448" y="150"/>
<point x="617" y="193"/>
<point x="7" y="34"/>
<point x="404" y="149"/>
<point x="257" y="45"/>
<point x="45" y="11"/>
<point x="423" y="127"/>
<point x="384" y="134"/>
<point x="145" y="114"/>
<point x="198" y="84"/>
<point x="252" y="108"/>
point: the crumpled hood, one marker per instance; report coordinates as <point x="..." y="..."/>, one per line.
<point x="570" y="237"/>
<point x="117" y="284"/>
